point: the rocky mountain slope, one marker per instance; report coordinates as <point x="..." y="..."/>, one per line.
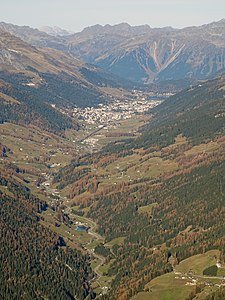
<point x="141" y="53"/>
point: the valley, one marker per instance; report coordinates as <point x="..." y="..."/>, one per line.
<point x="82" y="175"/>
<point x="112" y="160"/>
<point x="38" y="155"/>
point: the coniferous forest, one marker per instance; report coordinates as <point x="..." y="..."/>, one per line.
<point x="35" y="262"/>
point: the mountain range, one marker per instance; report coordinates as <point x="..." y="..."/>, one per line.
<point x="140" y="53"/>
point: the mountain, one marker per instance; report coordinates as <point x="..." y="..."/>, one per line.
<point x="134" y="211"/>
<point x="33" y="36"/>
<point x="42" y="40"/>
<point x="140" y="53"/>
<point x="37" y="79"/>
<point x="20" y="56"/>
<point x="55" y="31"/>
<point x="41" y="78"/>
<point x="122" y="29"/>
<point x="143" y="54"/>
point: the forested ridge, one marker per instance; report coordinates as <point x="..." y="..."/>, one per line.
<point x="193" y="199"/>
<point x="34" y="104"/>
<point x="197" y="113"/>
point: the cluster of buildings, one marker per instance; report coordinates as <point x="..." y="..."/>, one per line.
<point x="116" y="111"/>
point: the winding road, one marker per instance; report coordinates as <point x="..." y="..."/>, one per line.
<point x="98" y="237"/>
<point x="91" y="231"/>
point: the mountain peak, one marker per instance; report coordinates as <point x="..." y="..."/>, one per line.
<point x="123" y="25"/>
<point x="55" y="31"/>
<point x="123" y="29"/>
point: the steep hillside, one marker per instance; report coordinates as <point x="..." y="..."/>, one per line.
<point x="160" y="198"/>
<point x="154" y="54"/>
<point x="197" y="113"/>
<point x="35" y="262"/>
<point x="33" y="36"/>
<point x="142" y="54"/>
<point x="38" y="79"/>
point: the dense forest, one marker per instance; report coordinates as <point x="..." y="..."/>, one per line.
<point x="36" y="263"/>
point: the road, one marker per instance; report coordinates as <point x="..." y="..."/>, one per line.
<point x="92" y="227"/>
<point x="92" y="232"/>
<point x="98" y="237"/>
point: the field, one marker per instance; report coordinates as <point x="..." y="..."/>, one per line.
<point x="198" y="263"/>
<point x="129" y="170"/>
<point x="147" y="209"/>
<point x="92" y="138"/>
<point x="166" y="287"/>
<point x="221" y="272"/>
<point x="39" y="153"/>
<point x="117" y="241"/>
<point x="105" y="268"/>
<point x="73" y="237"/>
<point x="181" y="283"/>
<point x="141" y="166"/>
